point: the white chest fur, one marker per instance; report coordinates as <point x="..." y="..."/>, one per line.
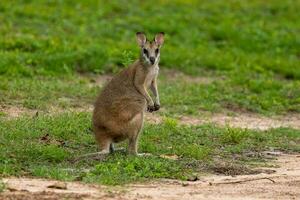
<point x="152" y="73"/>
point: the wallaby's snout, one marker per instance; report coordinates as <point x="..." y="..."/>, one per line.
<point x="152" y="60"/>
<point x="150" y="50"/>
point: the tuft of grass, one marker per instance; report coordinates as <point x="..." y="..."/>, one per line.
<point x="233" y="136"/>
<point x="121" y="169"/>
<point x="2" y="186"/>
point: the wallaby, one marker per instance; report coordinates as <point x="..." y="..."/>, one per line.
<point x="119" y="109"/>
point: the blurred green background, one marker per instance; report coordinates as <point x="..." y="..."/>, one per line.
<point x="53" y="37"/>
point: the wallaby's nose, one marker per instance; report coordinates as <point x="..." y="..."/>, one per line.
<point x="152" y="60"/>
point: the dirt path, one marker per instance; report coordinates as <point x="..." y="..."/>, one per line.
<point x="283" y="184"/>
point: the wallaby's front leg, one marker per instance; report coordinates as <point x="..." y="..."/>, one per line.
<point x="139" y="82"/>
<point x="154" y="90"/>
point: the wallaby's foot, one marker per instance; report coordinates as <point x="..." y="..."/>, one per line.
<point x="95" y="156"/>
<point x="121" y="149"/>
<point x="144" y="154"/>
<point x="139" y="154"/>
<point x="112" y="149"/>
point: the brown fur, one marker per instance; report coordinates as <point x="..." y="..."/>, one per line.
<point x="119" y="109"/>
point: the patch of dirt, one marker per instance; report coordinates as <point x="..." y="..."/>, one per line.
<point x="283" y="184"/>
<point x="14" y="111"/>
<point x="174" y="75"/>
<point x="47" y="139"/>
<point x="245" y="120"/>
<point x="241" y="120"/>
<point x="28" y="188"/>
<point x="96" y="80"/>
<point x="25" y="195"/>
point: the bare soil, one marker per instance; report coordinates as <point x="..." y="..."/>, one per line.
<point x="246" y="120"/>
<point x="240" y="120"/>
<point x="283" y="184"/>
<point x="174" y="75"/>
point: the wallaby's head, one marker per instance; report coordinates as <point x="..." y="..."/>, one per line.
<point x="150" y="50"/>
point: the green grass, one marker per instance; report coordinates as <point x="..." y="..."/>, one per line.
<point x="42" y="147"/>
<point x="56" y="37"/>
<point x="242" y="92"/>
<point x="264" y="95"/>
<point x="253" y="45"/>
<point x="43" y="92"/>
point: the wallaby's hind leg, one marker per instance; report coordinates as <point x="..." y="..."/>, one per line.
<point x="111" y="148"/>
<point x="104" y="142"/>
<point x="136" y="124"/>
<point x="104" y="145"/>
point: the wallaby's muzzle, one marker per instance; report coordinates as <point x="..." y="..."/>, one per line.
<point x="152" y="60"/>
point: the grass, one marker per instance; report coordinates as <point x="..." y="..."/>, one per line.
<point x="58" y="37"/>
<point x="253" y="45"/>
<point x="43" y="92"/>
<point x="42" y="147"/>
<point x="264" y="95"/>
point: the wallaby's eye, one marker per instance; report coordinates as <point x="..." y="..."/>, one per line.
<point x="156" y="51"/>
<point x="145" y="52"/>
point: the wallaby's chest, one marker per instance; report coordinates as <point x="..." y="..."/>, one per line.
<point x="151" y="74"/>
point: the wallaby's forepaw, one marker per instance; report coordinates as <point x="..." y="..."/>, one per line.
<point x="153" y="108"/>
<point x="156" y="107"/>
<point x="150" y="108"/>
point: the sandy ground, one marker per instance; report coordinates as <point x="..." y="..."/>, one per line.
<point x="283" y="184"/>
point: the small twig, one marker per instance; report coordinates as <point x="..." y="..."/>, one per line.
<point x="243" y="181"/>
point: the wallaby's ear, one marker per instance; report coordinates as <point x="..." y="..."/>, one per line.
<point x="159" y="38"/>
<point x="141" y="38"/>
